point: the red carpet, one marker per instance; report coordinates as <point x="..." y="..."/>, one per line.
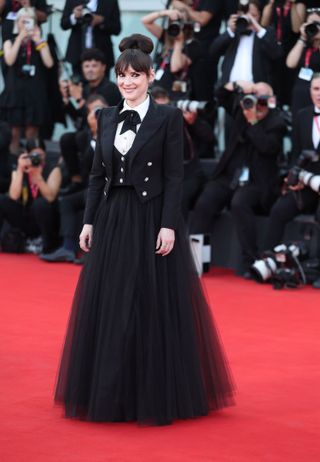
<point x="272" y="340"/>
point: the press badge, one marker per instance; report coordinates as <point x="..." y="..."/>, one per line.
<point x="306" y="74"/>
<point x="29" y="69"/>
<point x="244" y="175"/>
<point x="159" y="74"/>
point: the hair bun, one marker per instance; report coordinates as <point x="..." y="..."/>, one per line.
<point x="137" y="42"/>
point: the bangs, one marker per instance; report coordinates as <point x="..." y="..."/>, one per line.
<point x="139" y="61"/>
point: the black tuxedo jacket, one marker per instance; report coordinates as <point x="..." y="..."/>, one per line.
<point x="155" y="164"/>
<point x="101" y="34"/>
<point x="302" y="137"/>
<point x="265" y="50"/>
<point x="262" y="141"/>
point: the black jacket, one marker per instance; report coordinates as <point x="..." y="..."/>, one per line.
<point x="155" y="165"/>
<point x="101" y="34"/>
<point x="265" y="50"/>
<point x="263" y="142"/>
<point x="302" y="138"/>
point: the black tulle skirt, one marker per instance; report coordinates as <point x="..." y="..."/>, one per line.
<point x="141" y="344"/>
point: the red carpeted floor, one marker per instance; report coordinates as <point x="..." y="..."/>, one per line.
<point x="272" y="340"/>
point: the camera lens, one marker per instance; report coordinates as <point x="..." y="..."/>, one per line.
<point x="248" y="101"/>
<point x="174" y="28"/>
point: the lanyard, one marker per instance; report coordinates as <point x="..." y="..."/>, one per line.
<point x="33" y="187"/>
<point x="166" y="60"/>
<point x="28" y="51"/>
<point x="279" y="17"/>
<point x="307" y="58"/>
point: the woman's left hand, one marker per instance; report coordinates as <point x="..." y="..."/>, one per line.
<point x="36" y="35"/>
<point x="165" y="241"/>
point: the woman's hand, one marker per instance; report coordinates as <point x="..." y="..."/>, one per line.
<point x="165" y="241"/>
<point x="24" y="163"/>
<point x="36" y="34"/>
<point x="85" y="238"/>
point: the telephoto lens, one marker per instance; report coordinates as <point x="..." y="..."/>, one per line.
<point x="35" y="158"/>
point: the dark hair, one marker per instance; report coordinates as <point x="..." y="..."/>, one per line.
<point x="316" y="75"/>
<point x="93" y="54"/>
<point x="34" y="143"/>
<point x="135" y="52"/>
<point x="159" y="92"/>
<point x="96" y="97"/>
<point x="256" y="3"/>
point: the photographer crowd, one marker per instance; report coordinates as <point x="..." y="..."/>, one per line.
<point x="258" y="60"/>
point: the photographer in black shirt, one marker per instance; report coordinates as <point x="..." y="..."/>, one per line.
<point x="246" y="177"/>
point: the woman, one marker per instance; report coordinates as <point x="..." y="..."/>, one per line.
<point x="24" y="99"/>
<point x="286" y="17"/>
<point x="305" y="58"/>
<point x="175" y="64"/>
<point x="140" y="343"/>
<point x="31" y="204"/>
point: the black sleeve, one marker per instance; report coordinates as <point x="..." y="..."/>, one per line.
<point x="220" y="45"/>
<point x="213" y="6"/>
<point x="267" y="141"/>
<point x="96" y="178"/>
<point x="270" y="45"/>
<point x="112" y="23"/>
<point x="173" y="171"/>
<point x="67" y="12"/>
<point x="41" y="5"/>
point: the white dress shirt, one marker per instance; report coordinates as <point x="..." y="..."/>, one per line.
<point x="124" y="141"/>
<point x="242" y="66"/>
<point x="316" y="129"/>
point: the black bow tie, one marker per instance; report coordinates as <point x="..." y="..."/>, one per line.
<point x="316" y="114"/>
<point x="131" y="120"/>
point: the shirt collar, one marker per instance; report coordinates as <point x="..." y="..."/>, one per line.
<point x="141" y="109"/>
<point x="316" y="110"/>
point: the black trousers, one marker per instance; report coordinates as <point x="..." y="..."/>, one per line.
<point x="42" y="218"/>
<point x="245" y="202"/>
<point x="71" y="212"/>
<point x="285" y="209"/>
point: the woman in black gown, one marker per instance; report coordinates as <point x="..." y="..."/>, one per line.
<point x="141" y="344"/>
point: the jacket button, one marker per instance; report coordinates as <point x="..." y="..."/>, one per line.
<point x="105" y="193"/>
<point x="146" y="179"/>
<point x="106" y="178"/>
<point x="144" y="193"/>
<point x="121" y="169"/>
<point x="103" y="164"/>
<point x="122" y="158"/>
<point x="149" y="164"/>
<point x="121" y="180"/>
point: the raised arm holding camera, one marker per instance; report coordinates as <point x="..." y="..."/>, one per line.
<point x="248" y="48"/>
<point x="299" y="196"/>
<point x="31" y="204"/>
<point x="24" y="99"/>
<point x="92" y="23"/>
<point x="246" y="177"/>
<point x="175" y="64"/>
<point x="304" y="57"/>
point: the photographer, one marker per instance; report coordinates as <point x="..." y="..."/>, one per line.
<point x="74" y="95"/>
<point x="246" y="177"/>
<point x="207" y="14"/>
<point x="198" y="139"/>
<point x="10" y="8"/>
<point x="72" y="205"/>
<point x="31" y="204"/>
<point x="287" y="17"/>
<point x="24" y="100"/>
<point x="305" y="57"/>
<point x="92" y="23"/>
<point x="299" y="195"/>
<point x="174" y="65"/>
<point x="248" y="48"/>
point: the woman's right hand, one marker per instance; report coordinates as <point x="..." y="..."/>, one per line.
<point x="24" y="162"/>
<point x="85" y="238"/>
<point x="303" y="34"/>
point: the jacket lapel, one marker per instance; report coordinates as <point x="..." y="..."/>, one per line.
<point x="109" y="128"/>
<point x="149" y="126"/>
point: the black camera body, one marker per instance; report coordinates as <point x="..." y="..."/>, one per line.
<point x="307" y="155"/>
<point x="87" y="13"/>
<point x="35" y="158"/>
<point x="175" y="27"/>
<point x="248" y="100"/>
<point x="312" y="29"/>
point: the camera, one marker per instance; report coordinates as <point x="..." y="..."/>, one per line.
<point x="248" y="101"/>
<point x="29" y="24"/>
<point x="281" y="266"/>
<point x="195" y="106"/>
<point x="312" y="29"/>
<point x="243" y="22"/>
<point x="35" y="158"/>
<point x="307" y="155"/>
<point x="87" y="13"/>
<point x="175" y="27"/>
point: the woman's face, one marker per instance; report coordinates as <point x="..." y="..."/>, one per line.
<point x="26" y="22"/>
<point x="134" y="85"/>
<point x="314" y="18"/>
